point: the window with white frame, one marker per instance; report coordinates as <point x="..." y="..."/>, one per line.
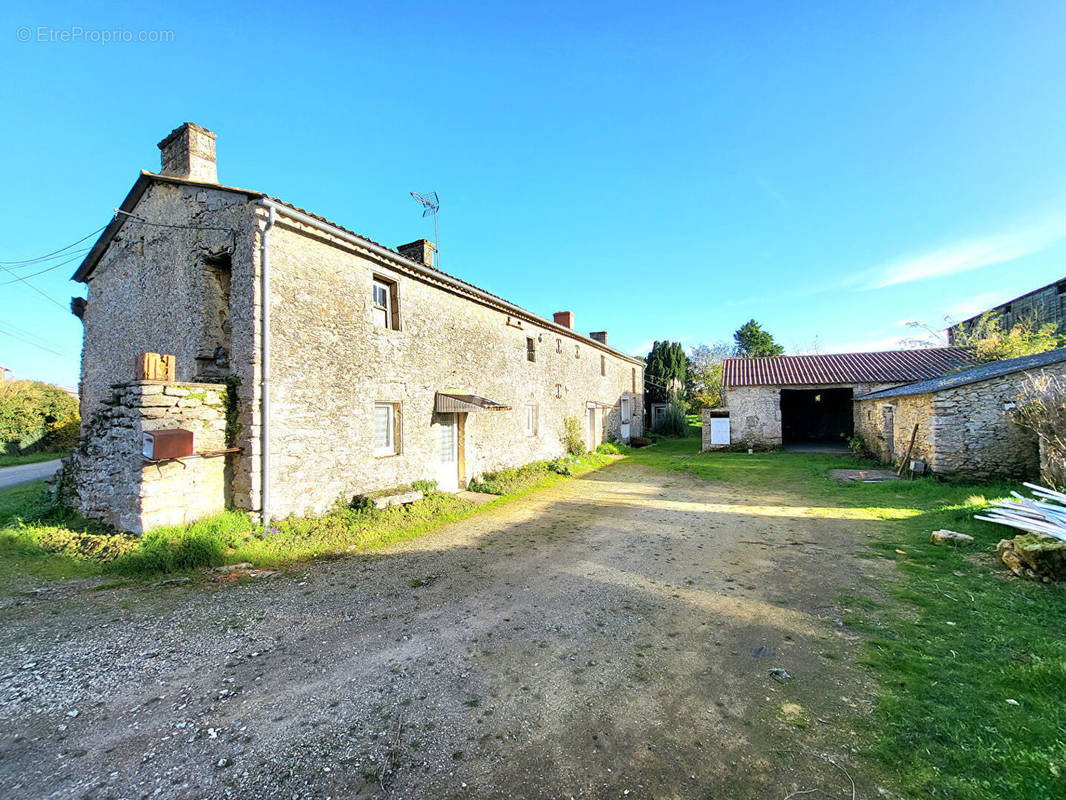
<point x="386" y="429"/>
<point x="626" y="415"/>
<point x="531" y="420"/>
<point x="384" y="303"/>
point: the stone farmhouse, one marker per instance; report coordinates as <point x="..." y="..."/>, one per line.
<point x="801" y="400"/>
<point x="310" y="362"/>
<point x="963" y="419"/>
<point x="1043" y="305"/>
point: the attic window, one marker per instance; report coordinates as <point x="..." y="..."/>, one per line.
<point x="531" y="349"/>
<point x="577" y="351"/>
<point x="603" y="366"/>
<point x="558" y="345"/>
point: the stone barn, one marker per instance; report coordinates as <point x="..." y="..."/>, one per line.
<point x="963" y="420"/>
<point x="808" y="400"/>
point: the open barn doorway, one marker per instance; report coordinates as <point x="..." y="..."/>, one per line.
<point x="816" y="417"/>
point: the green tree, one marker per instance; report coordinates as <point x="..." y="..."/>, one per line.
<point x="989" y="341"/>
<point x="753" y="342"/>
<point x="664" y="373"/>
<point x="704" y="372"/>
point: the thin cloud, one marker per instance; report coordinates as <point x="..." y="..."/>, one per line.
<point x="972" y="254"/>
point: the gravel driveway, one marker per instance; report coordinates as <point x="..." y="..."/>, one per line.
<point x="610" y="637"/>
<point x="24" y="473"/>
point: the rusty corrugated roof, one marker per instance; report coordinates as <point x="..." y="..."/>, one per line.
<point x="890" y="366"/>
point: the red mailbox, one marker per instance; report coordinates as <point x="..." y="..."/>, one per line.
<point x="158" y="445"/>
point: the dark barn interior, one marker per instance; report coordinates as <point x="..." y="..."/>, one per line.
<point x="821" y="416"/>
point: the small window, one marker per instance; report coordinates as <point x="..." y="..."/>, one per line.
<point x="386" y="429"/>
<point x="558" y="345"/>
<point x="558" y="390"/>
<point x="531" y="420"/>
<point x="385" y="303"/>
<point x="603" y="366"/>
<point x="577" y="351"/>
<point x="531" y="349"/>
<point x="634" y="389"/>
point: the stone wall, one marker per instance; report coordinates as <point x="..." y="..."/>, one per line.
<point x="966" y="430"/>
<point x="331" y="363"/>
<point x="755" y="411"/>
<point x="149" y="291"/>
<point x="157" y="289"/>
<point x="107" y="478"/>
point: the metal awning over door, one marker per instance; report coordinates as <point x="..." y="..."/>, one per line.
<point x="465" y="403"/>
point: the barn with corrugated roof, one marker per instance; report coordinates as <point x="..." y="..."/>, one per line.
<point x="807" y="401"/>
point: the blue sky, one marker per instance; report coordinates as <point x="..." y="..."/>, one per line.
<point x="833" y="170"/>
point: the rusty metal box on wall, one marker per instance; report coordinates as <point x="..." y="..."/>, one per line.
<point x="176" y="443"/>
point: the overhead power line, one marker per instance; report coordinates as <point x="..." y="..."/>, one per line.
<point x="46" y="256"/>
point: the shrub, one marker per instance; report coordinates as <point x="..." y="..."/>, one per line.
<point x="672" y="422"/>
<point x="36" y="416"/>
<point x="1041" y="408"/>
<point x="573" y="438"/>
<point x="991" y="341"/>
<point x="425" y="487"/>
<point x="611" y="448"/>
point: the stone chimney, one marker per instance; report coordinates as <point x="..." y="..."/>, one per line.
<point x="599" y="336"/>
<point x="189" y="152"/>
<point x="421" y="250"/>
<point x="565" y="318"/>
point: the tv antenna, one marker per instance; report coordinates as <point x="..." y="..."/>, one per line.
<point x="430" y="204"/>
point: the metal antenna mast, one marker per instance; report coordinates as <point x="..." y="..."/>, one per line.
<point x="430" y="204"/>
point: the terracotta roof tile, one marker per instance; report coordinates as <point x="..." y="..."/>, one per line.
<point x="892" y="366"/>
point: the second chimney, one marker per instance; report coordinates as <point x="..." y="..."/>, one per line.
<point x="599" y="336"/>
<point x="565" y="318"/>
<point x="189" y="152"/>
<point x="421" y="250"/>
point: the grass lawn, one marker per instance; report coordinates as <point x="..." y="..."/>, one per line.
<point x="950" y="639"/>
<point x="29" y="458"/>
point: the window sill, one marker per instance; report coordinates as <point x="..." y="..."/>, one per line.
<point x="383" y="454"/>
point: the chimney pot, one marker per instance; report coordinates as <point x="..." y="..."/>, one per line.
<point x="599" y="336"/>
<point x="420" y="250"/>
<point x="565" y="318"/>
<point x="189" y="152"/>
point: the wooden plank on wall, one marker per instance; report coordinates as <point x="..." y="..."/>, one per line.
<point x="156" y="367"/>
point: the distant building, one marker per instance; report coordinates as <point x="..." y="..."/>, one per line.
<point x="1043" y="305"/>
<point x="3" y="374"/>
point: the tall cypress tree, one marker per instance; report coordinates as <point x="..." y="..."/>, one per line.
<point x="664" y="375"/>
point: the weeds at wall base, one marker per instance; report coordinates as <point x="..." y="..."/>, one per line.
<point x="43" y="538"/>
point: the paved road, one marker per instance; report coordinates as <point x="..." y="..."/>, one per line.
<point x="24" y="473"/>
<point x="610" y="637"/>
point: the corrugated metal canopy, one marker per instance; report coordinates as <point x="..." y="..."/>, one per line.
<point x="463" y="403"/>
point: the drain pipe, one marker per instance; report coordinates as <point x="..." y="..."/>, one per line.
<point x="264" y="367"/>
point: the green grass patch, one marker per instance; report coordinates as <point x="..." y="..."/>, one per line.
<point x="42" y="539"/>
<point x="520" y="479"/>
<point x="951" y="637"/>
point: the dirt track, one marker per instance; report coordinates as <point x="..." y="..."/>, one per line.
<point x="610" y="637"/>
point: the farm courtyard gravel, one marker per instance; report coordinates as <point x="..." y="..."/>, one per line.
<point x="611" y="636"/>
